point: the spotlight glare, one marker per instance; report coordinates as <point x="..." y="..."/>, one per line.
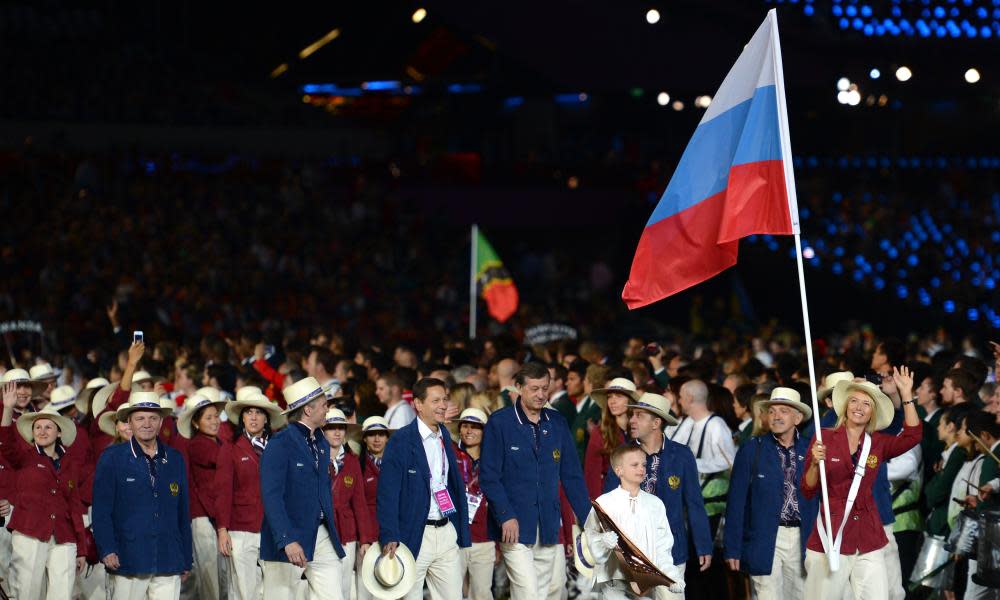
<point x="842" y="96"/>
<point x="419" y="15"/>
<point x="652" y="16"/>
<point x="677" y="105"/>
<point x="702" y="101"/>
<point x="853" y="97"/>
<point x="972" y="75"/>
<point x="663" y="98"/>
<point x="875" y="74"/>
<point x="843" y="83"/>
<point x="904" y="73"/>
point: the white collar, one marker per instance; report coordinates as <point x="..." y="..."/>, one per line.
<point x="425" y="431"/>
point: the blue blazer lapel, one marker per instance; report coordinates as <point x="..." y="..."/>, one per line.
<point x="419" y="457"/>
<point x="299" y="441"/>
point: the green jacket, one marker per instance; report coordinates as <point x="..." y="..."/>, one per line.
<point x="566" y="408"/>
<point x="937" y="493"/>
<point x="589" y="414"/>
<point x="990" y="472"/>
<point x="930" y="446"/>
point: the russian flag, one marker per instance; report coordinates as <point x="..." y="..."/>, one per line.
<point x="733" y="180"/>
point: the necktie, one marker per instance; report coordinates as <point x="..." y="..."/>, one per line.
<point x="258" y="444"/>
<point x="312" y="447"/>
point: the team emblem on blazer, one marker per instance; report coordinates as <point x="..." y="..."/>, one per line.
<point x="674" y="482"/>
<point x="70" y="484"/>
<point x="579" y="435"/>
<point x="348" y="481"/>
<point x="872" y="461"/>
<point x="556" y="455"/>
<point x="174" y="489"/>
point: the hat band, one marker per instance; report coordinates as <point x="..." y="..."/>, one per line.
<point x="305" y="399"/>
<point x="336" y="421"/>
<point x="378" y="574"/>
<point x="145" y="405"/>
<point x="619" y="388"/>
<point x="785" y="400"/>
<point x="648" y="406"/>
<point x="63" y="404"/>
<point x="472" y="419"/>
<point x="579" y="552"/>
<point x="376" y="426"/>
<point x="201" y="404"/>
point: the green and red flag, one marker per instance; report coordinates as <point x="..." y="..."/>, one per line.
<point x="491" y="279"/>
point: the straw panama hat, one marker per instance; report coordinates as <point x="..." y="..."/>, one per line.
<point x="656" y="404"/>
<point x="42" y="373"/>
<point x="142" y="376"/>
<point x="106" y="423"/>
<point x="142" y="401"/>
<point x="884" y="409"/>
<point x="788" y="397"/>
<point x="473" y="415"/>
<point x="101" y="398"/>
<point x="16" y="376"/>
<point x="301" y="393"/>
<point x="63" y="397"/>
<point x="252" y="399"/>
<point x="619" y="385"/>
<point x="582" y="556"/>
<point x="209" y="392"/>
<point x="388" y="578"/>
<point x="832" y="380"/>
<point x="335" y="416"/>
<point x="92" y="387"/>
<point x="192" y="405"/>
<point x="26" y="422"/>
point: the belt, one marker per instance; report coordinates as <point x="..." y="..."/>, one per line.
<point x="438" y="523"/>
<point x="795" y="523"/>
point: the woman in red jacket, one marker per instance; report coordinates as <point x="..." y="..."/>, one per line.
<point x="239" y="508"/>
<point x="374" y="436"/>
<point x="350" y="507"/>
<point x="479" y="558"/>
<point x="613" y="428"/>
<point x="48" y="537"/>
<point x="852" y="452"/>
<point x="199" y="423"/>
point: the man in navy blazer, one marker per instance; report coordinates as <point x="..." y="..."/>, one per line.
<point x="527" y="452"/>
<point x="421" y="496"/>
<point x="298" y="534"/>
<point x="672" y="476"/>
<point x="140" y="512"/>
<point x="768" y="520"/>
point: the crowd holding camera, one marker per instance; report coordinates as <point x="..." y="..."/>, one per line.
<point x="494" y="470"/>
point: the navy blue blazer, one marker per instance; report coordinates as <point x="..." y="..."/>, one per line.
<point x="294" y="492"/>
<point x="148" y="527"/>
<point x="524" y="484"/>
<point x="404" y="490"/>
<point x="677" y="486"/>
<point x="753" y="509"/>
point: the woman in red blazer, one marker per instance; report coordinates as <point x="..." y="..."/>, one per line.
<point x="479" y="558"/>
<point x="199" y="424"/>
<point x="350" y="507"/>
<point x="47" y="526"/>
<point x="854" y="446"/>
<point x="609" y="434"/>
<point x="239" y="508"/>
<point x="375" y="434"/>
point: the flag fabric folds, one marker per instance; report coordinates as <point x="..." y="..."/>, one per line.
<point x="733" y="180"/>
<point x="493" y="281"/>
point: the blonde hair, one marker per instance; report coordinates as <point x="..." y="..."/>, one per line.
<point x="484" y="401"/>
<point x="619" y="453"/>
<point x="872" y="420"/>
<point x="760" y="424"/>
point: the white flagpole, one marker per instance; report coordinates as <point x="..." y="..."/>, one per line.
<point x="472" y="281"/>
<point x="793" y="210"/>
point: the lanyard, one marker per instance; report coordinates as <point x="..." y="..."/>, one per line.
<point x="859" y="474"/>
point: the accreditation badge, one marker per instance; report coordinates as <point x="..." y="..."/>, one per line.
<point x="674" y="482"/>
<point x="348" y="481"/>
<point x="872" y="461"/>
<point x="174" y="488"/>
<point x="556" y="455"/>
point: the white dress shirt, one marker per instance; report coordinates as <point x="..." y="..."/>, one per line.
<point x="400" y="415"/>
<point x="906" y="466"/>
<point x="437" y="462"/>
<point x="718" y="451"/>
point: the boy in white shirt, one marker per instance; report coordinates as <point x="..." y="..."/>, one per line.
<point x="639" y="515"/>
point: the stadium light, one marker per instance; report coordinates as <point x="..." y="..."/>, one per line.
<point x="419" y="15"/>
<point x="843" y="83"/>
<point x="972" y="76"/>
<point x="904" y="73"/>
<point x="663" y="98"/>
<point x="652" y="16"/>
<point x="875" y="73"/>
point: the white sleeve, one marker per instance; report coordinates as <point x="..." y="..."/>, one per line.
<point x="664" y="557"/>
<point x="718" y="450"/>
<point x="906" y="466"/>
<point x="593" y="528"/>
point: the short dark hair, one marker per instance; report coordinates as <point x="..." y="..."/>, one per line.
<point x="981" y="421"/>
<point x="956" y="414"/>
<point x="325" y="357"/>
<point x="965" y="381"/>
<point x="532" y="370"/>
<point x="894" y="350"/>
<point x="744" y="394"/>
<point x="391" y="379"/>
<point x="578" y="366"/>
<point x="975" y="367"/>
<point x="560" y="372"/>
<point x="407" y="377"/>
<point x="420" y="388"/>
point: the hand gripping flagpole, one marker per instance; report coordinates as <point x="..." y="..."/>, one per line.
<point x="786" y="152"/>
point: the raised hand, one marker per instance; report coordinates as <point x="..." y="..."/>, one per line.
<point x="135" y="352"/>
<point x="10" y="395"/>
<point x="903" y="378"/>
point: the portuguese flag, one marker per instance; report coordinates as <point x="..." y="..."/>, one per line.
<point x="491" y="280"/>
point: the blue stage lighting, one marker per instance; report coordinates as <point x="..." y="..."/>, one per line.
<point x="879" y="283"/>
<point x="379" y="86"/>
<point x="837" y="268"/>
<point x="939" y="12"/>
<point x="851" y="11"/>
<point x="935" y="282"/>
<point x="808" y="10"/>
<point x="513" y="102"/>
<point x="949" y="306"/>
<point x="901" y="291"/>
<point x="972" y="314"/>
<point x="859" y="275"/>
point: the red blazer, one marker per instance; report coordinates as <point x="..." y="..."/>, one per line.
<point x="237" y="482"/>
<point x="863" y="531"/>
<point x="596" y="463"/>
<point x="48" y="499"/>
<point x="203" y="453"/>
<point x="350" y="507"/>
<point x="470" y="475"/>
<point x="370" y="475"/>
<point x="82" y="453"/>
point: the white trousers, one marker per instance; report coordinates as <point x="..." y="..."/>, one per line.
<point x="893" y="571"/>
<point x="144" y="587"/>
<point x="206" y="558"/>
<point x="246" y="579"/>
<point x="974" y="591"/>
<point x="529" y="568"/>
<point x="477" y="561"/>
<point x="786" y="578"/>
<point x="439" y="564"/>
<point x="6" y="570"/>
<point x="323" y="574"/>
<point x="661" y="592"/>
<point x="350" y="556"/>
<point x="92" y="583"/>
<point x="864" y="574"/>
<point x="39" y="565"/>
<point x="557" y="584"/>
